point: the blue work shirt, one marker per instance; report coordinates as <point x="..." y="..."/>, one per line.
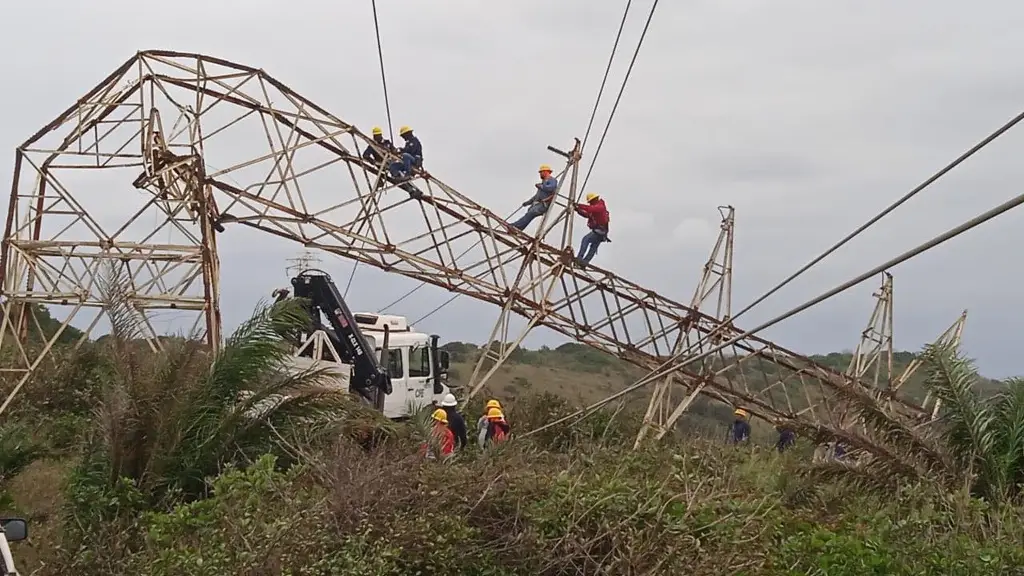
<point x="547" y="189"/>
<point x="413" y="147"/>
<point x="374" y="156"/>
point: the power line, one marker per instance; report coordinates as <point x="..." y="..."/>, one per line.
<point x="607" y="70"/>
<point x="387" y="109"/>
<point x="919" y="188"/>
<point x="383" y="77"/>
<point x="667" y="367"/>
<point x="618" y="98"/>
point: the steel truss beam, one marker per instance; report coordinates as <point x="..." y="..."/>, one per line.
<point x="714" y="289"/>
<point x="245" y="151"/>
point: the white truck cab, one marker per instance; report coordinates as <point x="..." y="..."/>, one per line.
<point x="418" y="370"/>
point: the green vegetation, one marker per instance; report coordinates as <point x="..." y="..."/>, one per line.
<point x="131" y="462"/>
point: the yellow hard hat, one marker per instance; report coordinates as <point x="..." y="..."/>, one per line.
<point x="741" y="412"/>
<point x="591" y="196"/>
<point x="544" y="168"/>
<point x="495" y="413"/>
<point x="440" y="415"/>
<point x="377" y="130"/>
<point x="493" y="404"/>
<point x="404" y="130"/>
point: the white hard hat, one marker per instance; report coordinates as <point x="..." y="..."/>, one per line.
<point x="449" y="400"/>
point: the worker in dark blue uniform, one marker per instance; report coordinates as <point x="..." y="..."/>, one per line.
<point x="371" y="153"/>
<point x="411" y="155"/>
<point x="787" y="438"/>
<point x="740" y="431"/>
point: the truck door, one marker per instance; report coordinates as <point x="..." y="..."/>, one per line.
<point x="420" y="381"/>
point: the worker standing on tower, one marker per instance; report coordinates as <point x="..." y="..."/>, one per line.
<point x="411" y="155"/>
<point x="371" y="154"/>
<point x="541" y="200"/>
<point x="598" y="218"/>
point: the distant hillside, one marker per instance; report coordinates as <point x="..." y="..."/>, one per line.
<point x="584" y="375"/>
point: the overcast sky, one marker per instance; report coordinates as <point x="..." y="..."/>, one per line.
<point x="808" y="117"/>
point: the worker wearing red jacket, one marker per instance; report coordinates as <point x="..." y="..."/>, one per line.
<point x="597" y="217"/>
<point x="441" y="438"/>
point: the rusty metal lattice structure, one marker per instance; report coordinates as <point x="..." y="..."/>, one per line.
<point x="713" y="296"/>
<point x="174" y="151"/>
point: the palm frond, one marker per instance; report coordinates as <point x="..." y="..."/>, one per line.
<point x="1008" y="407"/>
<point x="968" y="426"/>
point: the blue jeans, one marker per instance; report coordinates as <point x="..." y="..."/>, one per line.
<point x="589" y="244"/>
<point x="404" y="166"/>
<point x="536" y="209"/>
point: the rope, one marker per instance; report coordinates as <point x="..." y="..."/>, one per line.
<point x="668" y="367"/>
<point x="618" y="98"/>
<point x="607" y="70"/>
<point x="387" y="109"/>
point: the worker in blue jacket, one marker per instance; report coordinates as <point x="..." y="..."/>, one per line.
<point x="740" y="427"/>
<point x="541" y="200"/>
<point x="371" y="154"/>
<point x="411" y="155"/>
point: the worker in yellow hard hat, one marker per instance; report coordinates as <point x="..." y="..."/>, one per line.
<point x="442" y="439"/>
<point x="596" y="213"/>
<point x="538" y="204"/>
<point x="411" y="155"/>
<point x="497" y="427"/>
<point x="372" y="153"/>
<point x="483" y="424"/>
<point x="740" y="431"/>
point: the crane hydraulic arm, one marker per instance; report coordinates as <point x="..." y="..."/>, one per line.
<point x="323" y="296"/>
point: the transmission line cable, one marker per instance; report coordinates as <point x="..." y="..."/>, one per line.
<point x="383" y="76"/>
<point x="607" y="70"/>
<point x="919" y="188"/>
<point x="667" y="367"/>
<point x="387" y="109"/>
<point x="618" y="98"/>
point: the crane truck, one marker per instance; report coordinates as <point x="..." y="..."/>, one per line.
<point x="377" y="356"/>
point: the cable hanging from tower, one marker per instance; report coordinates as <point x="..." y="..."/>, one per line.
<point x="586" y="136"/>
<point x="607" y="70"/>
<point x="387" y="109"/>
<point x="618" y="98"/>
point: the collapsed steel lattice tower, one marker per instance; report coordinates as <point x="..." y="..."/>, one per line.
<point x="183" y="146"/>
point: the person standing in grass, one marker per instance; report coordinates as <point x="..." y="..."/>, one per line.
<point x="456" y="422"/>
<point x="441" y="437"/>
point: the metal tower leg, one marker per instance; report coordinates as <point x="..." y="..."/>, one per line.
<point x="713" y="296"/>
<point x="536" y="281"/>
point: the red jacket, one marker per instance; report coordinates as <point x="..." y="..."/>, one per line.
<point x="445" y="438"/>
<point x="596" y="213"/>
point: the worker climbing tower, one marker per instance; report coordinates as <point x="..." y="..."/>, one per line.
<point x="535" y="281"/>
<point x="174" y="152"/>
<point x="713" y="296"/>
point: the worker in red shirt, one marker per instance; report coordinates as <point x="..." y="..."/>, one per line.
<point x="597" y="217"/>
<point x="441" y="437"/>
